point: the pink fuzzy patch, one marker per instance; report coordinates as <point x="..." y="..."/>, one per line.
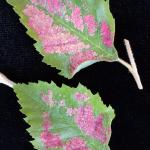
<point x="76" y="143"/>
<point x="99" y="131"/>
<point x="71" y="111"/>
<point x="49" y="139"/>
<point x="38" y="20"/>
<point x="55" y="39"/>
<point x="35" y="1"/>
<point x="53" y="6"/>
<point x="48" y="98"/>
<point x="92" y="126"/>
<point x="77" y="19"/>
<point x="46" y="121"/>
<point x="30" y="11"/>
<point x="107" y="37"/>
<point x="62" y="42"/>
<point x="91" y="24"/>
<point x="85" y="119"/>
<point x="81" y="57"/>
<point x="81" y="96"/>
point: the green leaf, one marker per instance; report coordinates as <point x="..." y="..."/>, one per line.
<point x="54" y="114"/>
<point x="89" y="23"/>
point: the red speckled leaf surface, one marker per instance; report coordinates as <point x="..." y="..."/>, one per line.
<point x="65" y="118"/>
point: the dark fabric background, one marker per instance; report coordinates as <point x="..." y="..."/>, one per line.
<point x="21" y="63"/>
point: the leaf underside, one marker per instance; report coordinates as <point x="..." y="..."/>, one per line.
<point x="80" y="33"/>
<point x="65" y="118"/>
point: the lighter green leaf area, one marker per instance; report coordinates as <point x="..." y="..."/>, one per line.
<point x="84" y="65"/>
<point x="60" y="62"/>
<point x="96" y="145"/>
<point x="64" y="126"/>
<point x="33" y="107"/>
<point x="108" y="118"/>
<point x="98" y="8"/>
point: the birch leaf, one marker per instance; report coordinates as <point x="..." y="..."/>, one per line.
<point x="69" y="34"/>
<point x="65" y="118"/>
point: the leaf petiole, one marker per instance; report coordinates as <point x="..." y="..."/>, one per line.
<point x="6" y="81"/>
<point x="132" y="67"/>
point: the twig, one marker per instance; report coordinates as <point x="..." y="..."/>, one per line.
<point x="132" y="67"/>
<point x="6" y="81"/>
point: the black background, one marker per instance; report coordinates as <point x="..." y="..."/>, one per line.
<point x="21" y="63"/>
